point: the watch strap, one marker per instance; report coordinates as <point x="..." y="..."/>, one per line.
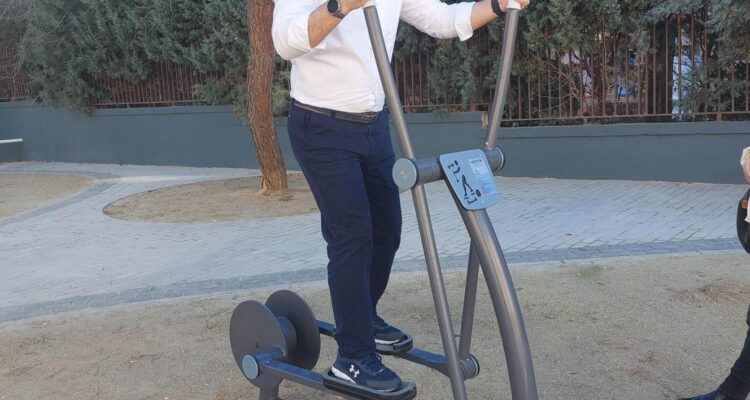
<point x="338" y="14"/>
<point x="496" y="7"/>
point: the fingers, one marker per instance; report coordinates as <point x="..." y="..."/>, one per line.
<point x="351" y="5"/>
<point x="515" y="4"/>
<point x="348" y="6"/>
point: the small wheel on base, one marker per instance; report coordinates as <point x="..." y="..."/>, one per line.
<point x="254" y="329"/>
<point x="306" y="351"/>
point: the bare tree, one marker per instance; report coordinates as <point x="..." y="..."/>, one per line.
<point x="260" y="68"/>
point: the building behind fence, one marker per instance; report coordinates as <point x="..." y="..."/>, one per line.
<point x="663" y="83"/>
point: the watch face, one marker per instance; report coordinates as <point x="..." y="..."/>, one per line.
<point x="333" y="6"/>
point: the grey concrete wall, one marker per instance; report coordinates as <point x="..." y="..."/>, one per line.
<point x="210" y="136"/>
<point x="689" y="152"/>
<point x="11" y="152"/>
<point x="198" y="136"/>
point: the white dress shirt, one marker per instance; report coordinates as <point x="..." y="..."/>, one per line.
<point x="340" y="73"/>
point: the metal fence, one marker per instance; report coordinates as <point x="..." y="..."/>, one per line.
<point x="675" y="78"/>
<point x="13" y="85"/>
<point x="168" y="84"/>
<point x="672" y="79"/>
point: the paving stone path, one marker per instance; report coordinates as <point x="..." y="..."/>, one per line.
<point x="70" y="256"/>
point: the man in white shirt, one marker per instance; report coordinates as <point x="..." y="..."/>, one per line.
<point x="736" y="386"/>
<point x="340" y="137"/>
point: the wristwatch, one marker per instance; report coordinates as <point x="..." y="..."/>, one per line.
<point x="334" y="7"/>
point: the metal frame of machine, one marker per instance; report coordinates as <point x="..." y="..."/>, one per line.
<point x="281" y="339"/>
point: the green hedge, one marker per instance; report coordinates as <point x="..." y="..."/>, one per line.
<point x="69" y="43"/>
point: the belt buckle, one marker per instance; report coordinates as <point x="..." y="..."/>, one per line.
<point x="369" y="117"/>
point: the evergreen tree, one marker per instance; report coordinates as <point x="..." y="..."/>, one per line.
<point x="572" y="54"/>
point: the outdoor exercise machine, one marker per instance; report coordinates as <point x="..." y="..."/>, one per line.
<point x="281" y="339"/>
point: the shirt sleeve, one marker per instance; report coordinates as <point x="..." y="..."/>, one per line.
<point x="290" y="35"/>
<point x="438" y="19"/>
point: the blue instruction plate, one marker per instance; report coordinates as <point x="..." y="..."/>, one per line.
<point x="470" y="178"/>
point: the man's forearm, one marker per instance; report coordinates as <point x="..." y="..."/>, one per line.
<point x="321" y="24"/>
<point x="482" y="14"/>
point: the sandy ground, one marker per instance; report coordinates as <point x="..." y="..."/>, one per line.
<point x="633" y="328"/>
<point x="229" y="199"/>
<point x="21" y="192"/>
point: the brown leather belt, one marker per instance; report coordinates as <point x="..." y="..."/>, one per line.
<point x="357" y="118"/>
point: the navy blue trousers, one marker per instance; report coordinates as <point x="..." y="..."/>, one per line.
<point x="737" y="385"/>
<point x="348" y="167"/>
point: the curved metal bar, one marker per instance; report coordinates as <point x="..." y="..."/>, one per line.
<point x="505" y="303"/>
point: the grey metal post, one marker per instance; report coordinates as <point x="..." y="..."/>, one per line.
<point x="419" y="196"/>
<point x="269" y="394"/>
<point x="505" y="303"/>
<point x="386" y="77"/>
<point x="470" y="300"/>
<point x="503" y="76"/>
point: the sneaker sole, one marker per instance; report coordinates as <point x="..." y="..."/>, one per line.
<point x="386" y="342"/>
<point x="345" y="377"/>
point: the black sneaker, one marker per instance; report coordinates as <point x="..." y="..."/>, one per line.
<point x="367" y="371"/>
<point x="710" y="396"/>
<point x="386" y="334"/>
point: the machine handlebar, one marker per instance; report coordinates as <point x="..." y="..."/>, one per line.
<point x="503" y="76"/>
<point x="514" y="5"/>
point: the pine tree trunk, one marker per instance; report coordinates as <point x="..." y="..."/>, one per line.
<point x="260" y="69"/>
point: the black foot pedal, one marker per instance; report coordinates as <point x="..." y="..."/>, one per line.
<point x="408" y="390"/>
<point x="403" y="346"/>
